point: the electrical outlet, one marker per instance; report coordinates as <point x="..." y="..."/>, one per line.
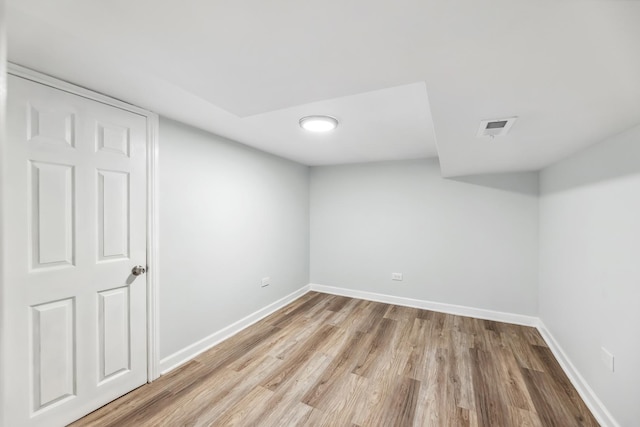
<point x="396" y="276"/>
<point x="607" y="358"/>
<point x="266" y="281"/>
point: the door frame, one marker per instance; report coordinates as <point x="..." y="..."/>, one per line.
<point x="153" y="353"/>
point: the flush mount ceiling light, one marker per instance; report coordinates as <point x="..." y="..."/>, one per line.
<point x="318" y="123"/>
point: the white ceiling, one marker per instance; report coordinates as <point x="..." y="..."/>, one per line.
<point x="249" y="69"/>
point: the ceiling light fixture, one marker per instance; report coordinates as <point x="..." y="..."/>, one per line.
<point x="318" y="123"/>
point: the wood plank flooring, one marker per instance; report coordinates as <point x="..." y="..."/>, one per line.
<point x="327" y="360"/>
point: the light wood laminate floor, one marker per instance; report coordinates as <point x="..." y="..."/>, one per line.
<point x="336" y="361"/>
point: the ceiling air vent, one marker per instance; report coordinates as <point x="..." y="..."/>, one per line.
<point x="495" y="127"/>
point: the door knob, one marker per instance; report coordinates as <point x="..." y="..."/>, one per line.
<point x="138" y="270"/>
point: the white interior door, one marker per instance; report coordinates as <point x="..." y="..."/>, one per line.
<point x="76" y="219"/>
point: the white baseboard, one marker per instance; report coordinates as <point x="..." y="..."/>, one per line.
<point x="460" y="310"/>
<point x="182" y="356"/>
<point x="599" y="411"/>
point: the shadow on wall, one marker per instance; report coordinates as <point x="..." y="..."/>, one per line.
<point x="516" y="182"/>
<point x="618" y="156"/>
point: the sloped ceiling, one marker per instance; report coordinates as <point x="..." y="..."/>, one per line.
<point x="407" y="79"/>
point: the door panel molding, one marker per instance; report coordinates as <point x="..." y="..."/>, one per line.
<point x="52" y="232"/>
<point x="115" y="333"/>
<point x="53" y="357"/>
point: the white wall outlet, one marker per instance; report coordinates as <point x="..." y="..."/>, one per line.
<point x="607" y="358"/>
<point x="396" y="276"/>
<point x="266" y="281"/>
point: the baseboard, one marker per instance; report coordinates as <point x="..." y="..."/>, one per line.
<point x="180" y="357"/>
<point x="600" y="412"/>
<point x="460" y="310"/>
<point x="597" y="408"/>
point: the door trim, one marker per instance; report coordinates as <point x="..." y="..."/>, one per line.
<point x="153" y="353"/>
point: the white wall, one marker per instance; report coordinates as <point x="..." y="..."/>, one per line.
<point x="3" y="97"/>
<point x="229" y="215"/>
<point x="590" y="266"/>
<point x="471" y="241"/>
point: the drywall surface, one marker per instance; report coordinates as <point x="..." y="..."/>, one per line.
<point x="468" y="241"/>
<point x="590" y="266"/>
<point x="3" y="182"/>
<point x="229" y="216"/>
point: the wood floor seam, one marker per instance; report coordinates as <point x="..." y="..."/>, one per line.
<point x="327" y="360"/>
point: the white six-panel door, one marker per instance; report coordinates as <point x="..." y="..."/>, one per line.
<point x="76" y="216"/>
